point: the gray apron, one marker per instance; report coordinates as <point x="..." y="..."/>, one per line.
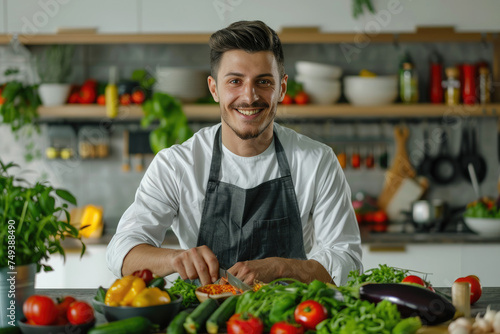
<point x="248" y="224"/>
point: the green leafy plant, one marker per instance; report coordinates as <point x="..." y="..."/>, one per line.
<point x="19" y="104"/>
<point x="359" y="6"/>
<point x="56" y="63"/>
<point x="32" y="220"/>
<point x="173" y="126"/>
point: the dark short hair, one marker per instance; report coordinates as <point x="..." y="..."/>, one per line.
<point x="250" y="36"/>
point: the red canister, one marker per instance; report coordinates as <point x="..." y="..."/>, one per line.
<point x="436" y="78"/>
<point x="469" y="84"/>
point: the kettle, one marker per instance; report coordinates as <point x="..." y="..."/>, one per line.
<point x="427" y="214"/>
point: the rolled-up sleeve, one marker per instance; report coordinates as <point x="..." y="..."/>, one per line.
<point x="338" y="241"/>
<point x="151" y="214"/>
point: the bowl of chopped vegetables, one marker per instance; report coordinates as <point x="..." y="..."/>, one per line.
<point x="483" y="217"/>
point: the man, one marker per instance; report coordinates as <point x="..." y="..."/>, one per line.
<point x="246" y="195"/>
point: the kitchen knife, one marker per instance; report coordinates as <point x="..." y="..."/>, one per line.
<point x="233" y="280"/>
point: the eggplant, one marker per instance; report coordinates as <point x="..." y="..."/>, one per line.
<point x="411" y="301"/>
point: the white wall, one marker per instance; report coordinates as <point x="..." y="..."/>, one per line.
<point x="132" y="16"/>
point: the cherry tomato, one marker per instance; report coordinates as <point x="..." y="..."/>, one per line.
<point x="145" y="274"/>
<point x="101" y="100"/>
<point x="138" y="96"/>
<point x="309" y="313"/>
<point x="301" y="98"/>
<point x="284" y="327"/>
<point x="80" y="312"/>
<point x="40" y="310"/>
<point x="244" y="323"/>
<point x="429" y="287"/>
<point x="413" y="279"/>
<point x="287" y="99"/>
<point x="475" y="287"/>
<point x="63" y="305"/>
<point x="125" y="99"/>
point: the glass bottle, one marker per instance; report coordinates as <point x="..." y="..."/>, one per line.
<point x="408" y="82"/>
<point x="484" y="85"/>
<point x="452" y="87"/>
<point x="435" y="78"/>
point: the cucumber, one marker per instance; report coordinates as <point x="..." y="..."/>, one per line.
<point x="10" y="330"/>
<point x="196" y="320"/>
<point x="176" y="326"/>
<point x="221" y="315"/>
<point x="134" y="325"/>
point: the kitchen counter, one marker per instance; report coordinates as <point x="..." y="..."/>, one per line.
<point x="490" y="296"/>
<point x="426" y="238"/>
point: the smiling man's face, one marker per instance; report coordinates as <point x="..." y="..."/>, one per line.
<point x="248" y="89"/>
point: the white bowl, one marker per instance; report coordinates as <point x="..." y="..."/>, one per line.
<point x="321" y="91"/>
<point x="489" y="227"/>
<point x="371" y="91"/>
<point x="318" y="70"/>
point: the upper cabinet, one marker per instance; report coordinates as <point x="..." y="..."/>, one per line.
<point x="187" y="16"/>
<point x="47" y="16"/>
<point x="202" y="16"/>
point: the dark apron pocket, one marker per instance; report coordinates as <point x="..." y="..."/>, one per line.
<point x="268" y="238"/>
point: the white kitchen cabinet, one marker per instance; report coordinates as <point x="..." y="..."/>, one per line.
<point x="445" y="262"/>
<point x="330" y="16"/>
<point x="3" y="22"/>
<point x="45" y="16"/>
<point x="191" y="16"/>
<point x="90" y="271"/>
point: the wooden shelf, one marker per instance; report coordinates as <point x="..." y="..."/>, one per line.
<point x="432" y="34"/>
<point x="210" y="112"/>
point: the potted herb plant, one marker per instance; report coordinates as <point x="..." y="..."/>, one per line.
<point x="34" y="220"/>
<point x="54" y="68"/>
<point x="172" y="127"/>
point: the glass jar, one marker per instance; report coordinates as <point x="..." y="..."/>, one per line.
<point x="452" y="87"/>
<point x="484" y="85"/>
<point x="408" y="83"/>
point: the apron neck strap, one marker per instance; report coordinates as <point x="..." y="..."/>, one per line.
<point x="217" y="157"/>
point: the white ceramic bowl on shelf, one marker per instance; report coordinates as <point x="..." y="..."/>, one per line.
<point x="371" y="91"/>
<point x="321" y="91"/>
<point x="318" y="70"/>
<point x="488" y="227"/>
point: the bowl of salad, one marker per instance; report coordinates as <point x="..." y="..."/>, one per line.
<point x="483" y="217"/>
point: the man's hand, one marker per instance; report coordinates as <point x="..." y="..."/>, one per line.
<point x="269" y="269"/>
<point x="199" y="262"/>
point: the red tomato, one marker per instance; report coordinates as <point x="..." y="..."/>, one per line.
<point x="138" y="96"/>
<point x="125" y="99"/>
<point x="380" y="217"/>
<point x="244" y="323"/>
<point x="429" y="287"/>
<point x="145" y="274"/>
<point x="301" y="98"/>
<point x="309" y="313"/>
<point x="87" y="95"/>
<point x="40" y="309"/>
<point x="101" y="99"/>
<point x="284" y="327"/>
<point x="475" y="287"/>
<point x="63" y="305"/>
<point x="74" y="97"/>
<point x="80" y="312"/>
<point x="413" y="279"/>
<point x="287" y="99"/>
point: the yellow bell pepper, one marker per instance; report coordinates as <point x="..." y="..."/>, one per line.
<point x="150" y="297"/>
<point x="91" y="220"/>
<point x="124" y="290"/>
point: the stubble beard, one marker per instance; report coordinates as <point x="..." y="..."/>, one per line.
<point x="247" y="135"/>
